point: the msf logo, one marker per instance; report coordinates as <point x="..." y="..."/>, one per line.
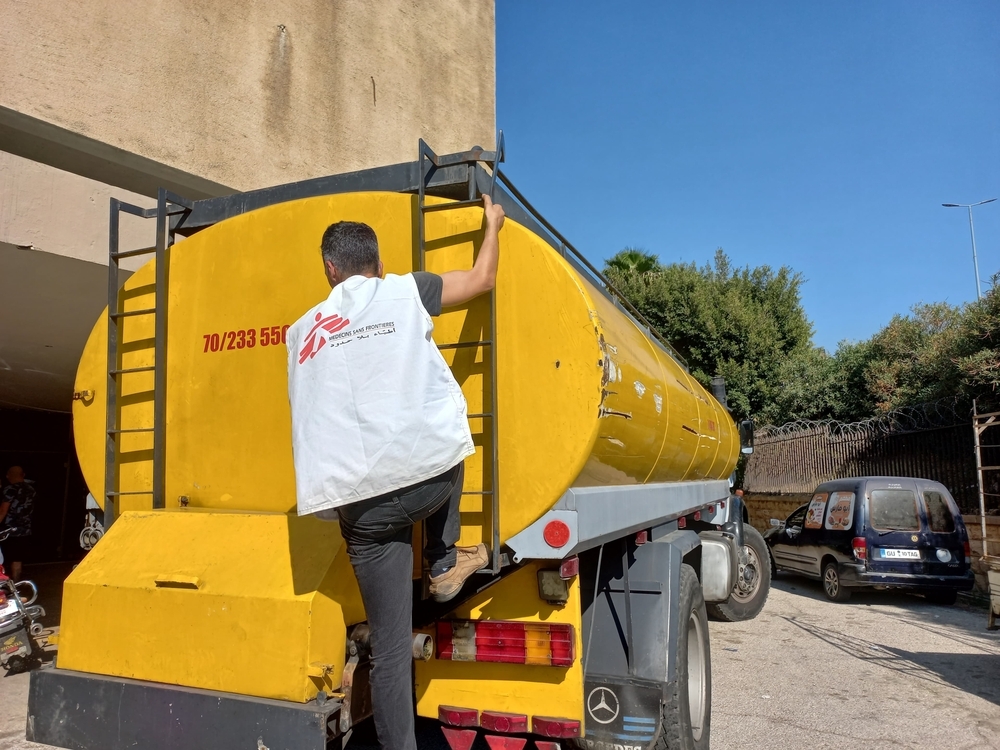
<point x="315" y="339"/>
<point x="602" y="705"/>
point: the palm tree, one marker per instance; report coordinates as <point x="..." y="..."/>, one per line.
<point x="633" y="260"/>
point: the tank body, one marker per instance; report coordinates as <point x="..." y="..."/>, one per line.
<point x="585" y="397"/>
<point x="263" y="599"/>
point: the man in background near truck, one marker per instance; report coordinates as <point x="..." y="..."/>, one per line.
<point x="17" y="500"/>
<point x="379" y="436"/>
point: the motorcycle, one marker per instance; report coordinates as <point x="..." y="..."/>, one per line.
<point x="19" y="624"/>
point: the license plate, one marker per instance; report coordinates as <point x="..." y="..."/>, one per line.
<point x="899" y="554"/>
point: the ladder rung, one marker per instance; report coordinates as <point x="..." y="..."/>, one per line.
<point x="480" y="416"/>
<point x="487" y="492"/>
<point x="130" y="253"/>
<point x="129" y="313"/>
<point x="453" y="204"/>
<point x="134" y="429"/>
<point x="464" y="344"/>
<point x="133" y="369"/>
<point x="134" y="492"/>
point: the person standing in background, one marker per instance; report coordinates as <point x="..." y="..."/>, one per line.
<point x="17" y="500"/>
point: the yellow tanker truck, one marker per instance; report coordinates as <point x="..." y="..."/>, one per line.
<point x="211" y="616"/>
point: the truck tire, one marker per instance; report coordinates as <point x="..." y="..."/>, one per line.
<point x="687" y="715"/>
<point x="746" y="602"/>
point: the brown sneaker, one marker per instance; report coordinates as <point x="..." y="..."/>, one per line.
<point x="446" y="586"/>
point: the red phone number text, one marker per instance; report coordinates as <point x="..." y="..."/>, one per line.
<point x="246" y="338"/>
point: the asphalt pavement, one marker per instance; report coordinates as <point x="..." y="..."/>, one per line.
<point x="881" y="671"/>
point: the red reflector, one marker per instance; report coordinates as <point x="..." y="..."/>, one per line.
<point x="968" y="552"/>
<point x="722" y="504"/>
<point x="496" y="742"/>
<point x="569" y="568"/>
<point x="711" y="509"/>
<point x="459" y="739"/>
<point x="697" y="515"/>
<point x="501" y="722"/>
<point x="682" y="523"/>
<point x="458" y="717"/>
<point x="561" y="728"/>
<point x="860" y="547"/>
<point x="642" y="537"/>
<point x="556" y="534"/>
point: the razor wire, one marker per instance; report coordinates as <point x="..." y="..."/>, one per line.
<point x="928" y="416"/>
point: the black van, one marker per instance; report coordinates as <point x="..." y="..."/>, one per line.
<point x="883" y="532"/>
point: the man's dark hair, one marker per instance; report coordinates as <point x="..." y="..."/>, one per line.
<point x="352" y="247"/>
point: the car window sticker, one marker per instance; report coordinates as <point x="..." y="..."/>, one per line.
<point x="840" y="516"/>
<point x="814" y="516"/>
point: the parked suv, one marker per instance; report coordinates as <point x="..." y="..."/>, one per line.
<point x="882" y="532"/>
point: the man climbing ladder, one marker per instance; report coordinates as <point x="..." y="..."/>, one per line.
<point x="380" y="433"/>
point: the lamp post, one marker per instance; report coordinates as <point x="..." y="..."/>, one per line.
<point x="972" y="231"/>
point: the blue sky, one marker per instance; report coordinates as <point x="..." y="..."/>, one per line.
<point x="823" y="136"/>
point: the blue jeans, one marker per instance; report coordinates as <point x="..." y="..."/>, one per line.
<point x="379" y="535"/>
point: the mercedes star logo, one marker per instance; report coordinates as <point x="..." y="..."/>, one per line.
<point x="602" y="705"/>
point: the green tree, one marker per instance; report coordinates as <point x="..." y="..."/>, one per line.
<point x="741" y="323"/>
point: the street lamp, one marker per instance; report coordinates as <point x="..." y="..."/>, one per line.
<point x="972" y="231"/>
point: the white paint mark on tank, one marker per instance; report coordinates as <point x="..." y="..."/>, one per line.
<point x="640" y="389"/>
<point x="615" y="441"/>
<point x="658" y="402"/>
<point x="619" y="373"/>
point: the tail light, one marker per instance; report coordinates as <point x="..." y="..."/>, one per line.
<point x="860" y="548"/>
<point x="537" y="643"/>
<point x="569" y="568"/>
<point x="497" y="721"/>
<point x="968" y="552"/>
<point x="458" y="717"/>
<point x="560" y="728"/>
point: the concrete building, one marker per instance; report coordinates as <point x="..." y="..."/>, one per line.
<point x="205" y="98"/>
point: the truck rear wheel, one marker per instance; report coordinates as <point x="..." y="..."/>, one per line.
<point x="750" y="593"/>
<point x="687" y="715"/>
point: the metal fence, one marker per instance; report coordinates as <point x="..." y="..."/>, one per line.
<point x="932" y="441"/>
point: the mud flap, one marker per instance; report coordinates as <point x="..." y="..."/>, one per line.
<point x="622" y="714"/>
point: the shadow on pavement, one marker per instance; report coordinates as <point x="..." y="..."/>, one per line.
<point x="959" y="622"/>
<point x="972" y="673"/>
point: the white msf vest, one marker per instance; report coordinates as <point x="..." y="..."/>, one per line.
<point x="375" y="407"/>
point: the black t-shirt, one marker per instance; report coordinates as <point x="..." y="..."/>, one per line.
<point x="429" y="287"/>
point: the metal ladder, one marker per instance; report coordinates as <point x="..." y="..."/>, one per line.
<point x="427" y="163"/>
<point x="167" y="205"/>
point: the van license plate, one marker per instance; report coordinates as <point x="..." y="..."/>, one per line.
<point x="900" y="554"/>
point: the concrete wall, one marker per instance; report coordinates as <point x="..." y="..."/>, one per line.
<point x="203" y="97"/>
<point x="46" y="210"/>
<point x="242" y="95"/>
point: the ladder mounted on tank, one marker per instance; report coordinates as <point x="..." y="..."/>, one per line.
<point x="427" y="163"/>
<point x="167" y="205"/>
